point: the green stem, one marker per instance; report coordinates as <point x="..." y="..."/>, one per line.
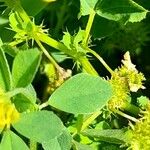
<point x="79" y="122"/>
<point x="33" y="145"/>
<point x="57" y="45"/>
<point x="47" y="54"/>
<point x="131" y="108"/>
<point x="88" y="121"/>
<point x="87" y="66"/>
<point x="43" y="105"/>
<point x="16" y="6"/>
<point x="16" y="42"/>
<point x="100" y="59"/>
<point x="126" y="116"/>
<point x="88" y="27"/>
<point x="53" y="43"/>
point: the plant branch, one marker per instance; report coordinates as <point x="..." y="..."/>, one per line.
<point x="87" y="66"/>
<point x="100" y="59"/>
<point x="57" y="45"/>
<point x="16" y="42"/>
<point x="33" y="145"/>
<point x="88" y="27"/>
<point x="126" y="116"/>
<point x="47" y="54"/>
<point x="88" y="121"/>
<point x="43" y="105"/>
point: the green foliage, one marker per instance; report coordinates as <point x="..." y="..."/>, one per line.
<point x="5" y="77"/>
<point x="79" y="146"/>
<point x="81" y="88"/>
<point x="31" y="125"/>
<point x="125" y="10"/>
<point x="62" y="142"/>
<point x="11" y="141"/>
<point x="115" y="136"/>
<point x="24" y="69"/>
<point x="73" y="43"/>
<point x="25" y="100"/>
<point x="44" y="106"/>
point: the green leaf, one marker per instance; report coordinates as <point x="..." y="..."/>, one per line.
<point x="39" y="126"/>
<point x="67" y="40"/>
<point x="62" y="142"/>
<point x="79" y="146"/>
<point x="87" y="6"/>
<point x="15" y="22"/>
<point x="143" y="101"/>
<point x="52" y="144"/>
<point x="78" y="38"/>
<point x="25" y="66"/>
<point x="81" y="94"/>
<point x="11" y="141"/>
<point x="109" y="146"/>
<point x="116" y="136"/>
<point x="12" y="51"/>
<point x="126" y="10"/>
<point x="118" y="10"/>
<point x="5" y="75"/>
<point x="25" y="99"/>
<point x="73" y="42"/>
<point x="102" y="125"/>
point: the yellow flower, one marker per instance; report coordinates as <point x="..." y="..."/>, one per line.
<point x="141" y="131"/>
<point x="8" y="114"/>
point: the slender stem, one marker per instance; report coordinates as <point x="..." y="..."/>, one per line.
<point x="47" y="54"/>
<point x="79" y="122"/>
<point x="126" y="116"/>
<point x="87" y="66"/>
<point x="57" y="45"/>
<point x="88" y="121"/>
<point x="88" y="27"/>
<point x="18" y="8"/>
<point x="33" y="145"/>
<point x="16" y="42"/>
<point x="100" y="59"/>
<point x="43" y="105"/>
<point x="53" y="43"/>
